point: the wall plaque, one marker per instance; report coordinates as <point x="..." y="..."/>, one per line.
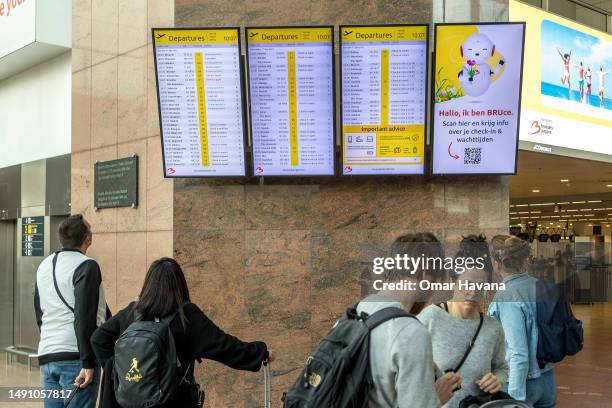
<point x="116" y="183"/>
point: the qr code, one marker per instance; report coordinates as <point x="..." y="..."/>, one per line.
<point x="473" y="155"/>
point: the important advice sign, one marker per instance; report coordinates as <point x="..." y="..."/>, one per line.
<point x="384" y="86"/>
<point x="477" y="91"/>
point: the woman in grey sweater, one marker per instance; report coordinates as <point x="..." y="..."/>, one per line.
<point x="452" y="327"/>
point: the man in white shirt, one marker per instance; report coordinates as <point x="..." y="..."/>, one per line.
<point x="70" y="305"/>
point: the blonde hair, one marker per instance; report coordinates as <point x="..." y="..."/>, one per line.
<point x="512" y="252"/>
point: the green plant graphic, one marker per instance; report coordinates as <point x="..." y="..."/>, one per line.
<point x="444" y="89"/>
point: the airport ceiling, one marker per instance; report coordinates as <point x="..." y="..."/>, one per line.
<point x="559" y="190"/>
<point x="542" y="175"/>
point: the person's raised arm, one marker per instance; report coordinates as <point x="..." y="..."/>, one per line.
<point x="207" y="340"/>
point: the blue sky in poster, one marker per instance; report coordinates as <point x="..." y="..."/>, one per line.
<point x="592" y="51"/>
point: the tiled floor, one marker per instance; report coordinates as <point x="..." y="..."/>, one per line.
<point x="15" y="376"/>
<point x="583" y="381"/>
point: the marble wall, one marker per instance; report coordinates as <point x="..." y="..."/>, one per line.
<point x="280" y="262"/>
<point x="114" y="114"/>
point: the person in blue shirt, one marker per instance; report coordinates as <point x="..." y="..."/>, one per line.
<point x="515" y="308"/>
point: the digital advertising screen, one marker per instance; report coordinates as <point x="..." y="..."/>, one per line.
<point x="567" y="83"/>
<point x="200" y="101"/>
<point x="291" y="89"/>
<point x="384" y="86"/>
<point x="476" y="98"/>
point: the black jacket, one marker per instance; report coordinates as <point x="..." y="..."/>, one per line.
<point x="201" y="339"/>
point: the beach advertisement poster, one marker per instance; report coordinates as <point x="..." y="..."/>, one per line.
<point x="567" y="82"/>
<point x="476" y="97"/>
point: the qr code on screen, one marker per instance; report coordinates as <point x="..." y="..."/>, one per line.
<point x="473" y="155"/>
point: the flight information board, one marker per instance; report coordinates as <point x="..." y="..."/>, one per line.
<point x="200" y="101"/>
<point x="291" y="88"/>
<point x="384" y="85"/>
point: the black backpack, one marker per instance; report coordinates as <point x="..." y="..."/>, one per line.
<point x="560" y="334"/>
<point x="146" y="368"/>
<point x="337" y="374"/>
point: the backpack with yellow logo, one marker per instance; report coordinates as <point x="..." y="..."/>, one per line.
<point x="147" y="371"/>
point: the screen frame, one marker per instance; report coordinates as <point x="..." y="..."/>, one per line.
<point x="432" y="107"/>
<point x="242" y="99"/>
<point x="334" y="108"/>
<point x="425" y="104"/>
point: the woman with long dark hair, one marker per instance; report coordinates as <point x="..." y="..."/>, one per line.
<point x="165" y="295"/>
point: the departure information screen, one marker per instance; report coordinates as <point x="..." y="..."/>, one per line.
<point x="291" y="88"/>
<point x="384" y="85"/>
<point x="200" y="101"/>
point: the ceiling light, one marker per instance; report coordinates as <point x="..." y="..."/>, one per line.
<point x="535" y="190"/>
<point x="522" y="205"/>
<point x="566" y="202"/>
<point x="572" y="210"/>
<point x="608" y="185"/>
<point x="586" y="209"/>
<point x="551" y="223"/>
<point x="578" y="202"/>
<point x="564" y="180"/>
<point x="594" y="201"/>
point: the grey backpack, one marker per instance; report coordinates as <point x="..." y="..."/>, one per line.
<point x="337" y="374"/>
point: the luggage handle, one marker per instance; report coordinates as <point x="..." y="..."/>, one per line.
<point x="267" y="381"/>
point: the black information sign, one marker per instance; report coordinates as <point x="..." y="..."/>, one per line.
<point x="33" y="236"/>
<point x="116" y="183"/>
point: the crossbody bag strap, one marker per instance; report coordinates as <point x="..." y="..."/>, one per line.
<point x="467" y="352"/>
<point x="56" y="286"/>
